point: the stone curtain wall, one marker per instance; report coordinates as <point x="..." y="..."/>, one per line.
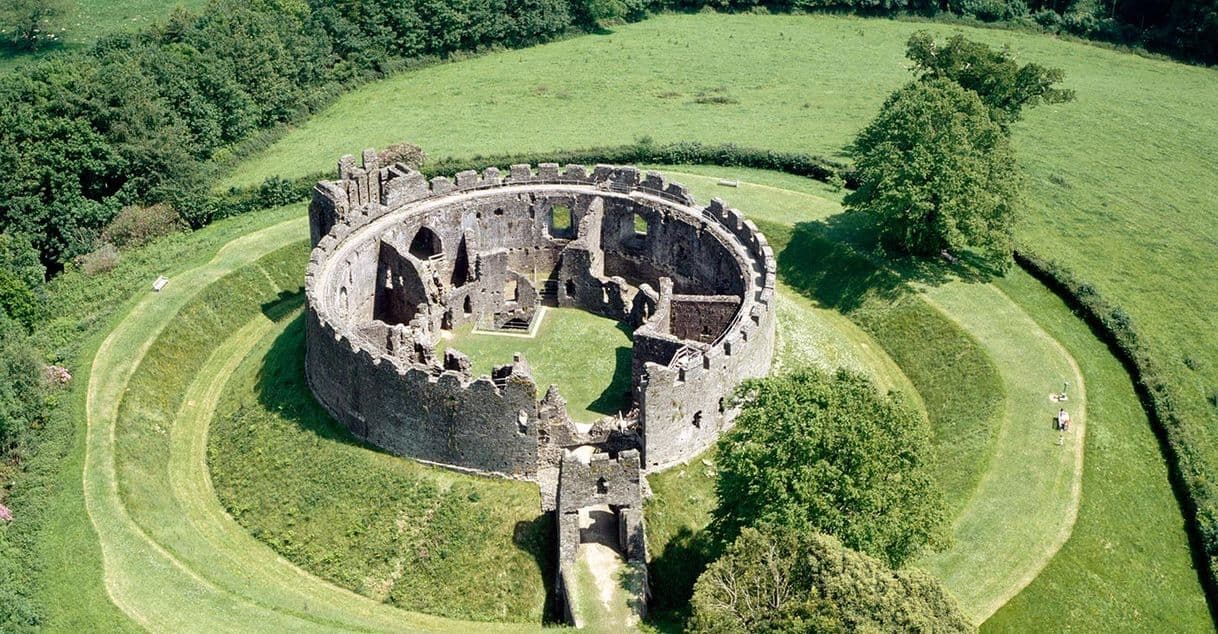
<point x="484" y="235"/>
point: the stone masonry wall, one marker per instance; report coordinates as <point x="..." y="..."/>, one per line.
<point x="469" y="241"/>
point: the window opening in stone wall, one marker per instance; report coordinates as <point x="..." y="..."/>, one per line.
<point x="425" y="244"/>
<point x="602" y="486"/>
<point x="511" y="290"/>
<point x="570" y="289"/>
<point x="560" y="218"/>
<point x="721" y="408"/>
<point x="468" y="307"/>
<point x="498" y="211"/>
<point x="698" y="420"/>
<point x="640" y="225"/>
<point x="522" y="422"/>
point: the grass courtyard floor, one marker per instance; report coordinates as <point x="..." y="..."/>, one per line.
<point x="586" y="356"/>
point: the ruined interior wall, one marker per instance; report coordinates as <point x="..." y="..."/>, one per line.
<point x="702" y="318"/>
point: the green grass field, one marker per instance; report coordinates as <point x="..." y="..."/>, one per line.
<point x="89" y="20"/>
<point x="586" y="356"/>
<point x="1009" y="528"/>
<point x="1121" y="181"/>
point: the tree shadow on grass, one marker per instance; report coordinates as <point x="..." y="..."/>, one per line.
<point x="673" y="573"/>
<point x="839" y="263"/>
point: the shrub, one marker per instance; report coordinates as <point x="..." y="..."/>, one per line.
<point x="790" y="581"/>
<point x="827" y="453"/>
<point x="105" y="258"/>
<point x="22" y="387"/>
<point x="137" y="225"/>
<point x="990" y="10"/>
<point x="408" y="153"/>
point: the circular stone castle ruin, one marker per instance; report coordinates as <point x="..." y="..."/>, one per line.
<point x="398" y="259"/>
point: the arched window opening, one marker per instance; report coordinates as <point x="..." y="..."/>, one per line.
<point x="468" y="306"/>
<point x="426" y="244"/>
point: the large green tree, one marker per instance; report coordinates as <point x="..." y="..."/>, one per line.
<point x="1003" y="85"/>
<point x="791" y="581"/>
<point x="828" y="453"/>
<point x="938" y="173"/>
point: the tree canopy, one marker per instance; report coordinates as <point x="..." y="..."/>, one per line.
<point x="938" y="173"/>
<point x="790" y="581"/>
<point x="828" y="453"/>
<point x="1002" y="84"/>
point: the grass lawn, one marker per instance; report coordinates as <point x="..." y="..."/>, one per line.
<point x="1121" y="181"/>
<point x="587" y="356"/>
<point x="1003" y="534"/>
<point x="89" y="20"/>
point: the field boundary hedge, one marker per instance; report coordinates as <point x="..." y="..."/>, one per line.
<point x="1186" y="470"/>
<point x="276" y="191"/>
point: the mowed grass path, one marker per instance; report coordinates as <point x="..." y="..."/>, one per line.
<point x="1027" y="502"/>
<point x="1122" y="181"/>
<point x="198" y="570"/>
<point x="1024" y="508"/>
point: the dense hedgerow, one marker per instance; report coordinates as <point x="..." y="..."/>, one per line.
<point x="278" y="191"/>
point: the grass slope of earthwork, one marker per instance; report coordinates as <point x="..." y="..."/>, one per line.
<point x="63" y="551"/>
<point x="1121" y="181"/>
<point x="586" y="356"/>
<point x="165" y="540"/>
<point x="89" y="20"/>
<point x="1024" y="505"/>
<point x="417" y="537"/>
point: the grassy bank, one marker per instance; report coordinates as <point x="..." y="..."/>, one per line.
<point x="421" y="538"/>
